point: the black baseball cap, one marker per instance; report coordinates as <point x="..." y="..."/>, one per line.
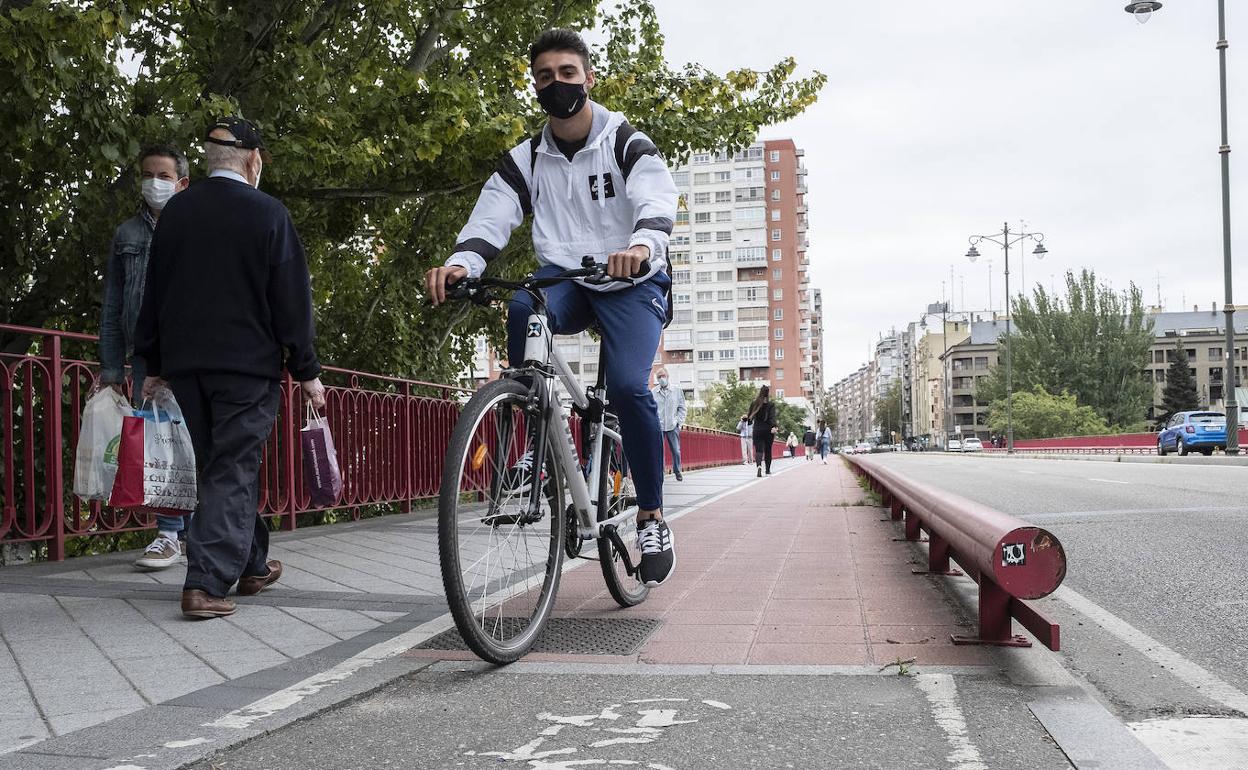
<point x="246" y="134"/>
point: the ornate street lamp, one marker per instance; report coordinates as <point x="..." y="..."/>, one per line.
<point x="1004" y="240"/>
<point x="1141" y="11"/>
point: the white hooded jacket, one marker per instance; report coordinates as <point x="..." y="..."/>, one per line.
<point x="571" y="219"/>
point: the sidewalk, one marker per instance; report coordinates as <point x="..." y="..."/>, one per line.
<point x="90" y="640"/>
<point x="792" y="604"/>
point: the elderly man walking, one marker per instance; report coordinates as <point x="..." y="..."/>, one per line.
<point x="227" y="304"/>
<point x="671" y="403"/>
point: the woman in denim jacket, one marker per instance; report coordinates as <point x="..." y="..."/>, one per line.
<point x="165" y="172"/>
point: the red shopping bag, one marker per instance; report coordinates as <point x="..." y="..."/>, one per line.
<point x="155" y="461"/>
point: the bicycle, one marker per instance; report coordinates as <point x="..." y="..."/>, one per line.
<point x="503" y="528"/>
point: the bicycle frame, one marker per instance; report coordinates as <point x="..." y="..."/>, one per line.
<point x="542" y="360"/>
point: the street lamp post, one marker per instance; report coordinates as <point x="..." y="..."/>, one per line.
<point x="1003" y="240"/>
<point x="1142" y="11"/>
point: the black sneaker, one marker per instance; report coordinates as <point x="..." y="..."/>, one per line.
<point x="658" y="555"/>
<point x="517" y="480"/>
<point x="679" y="476"/>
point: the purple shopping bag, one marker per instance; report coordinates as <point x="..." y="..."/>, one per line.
<point x="321" y="477"/>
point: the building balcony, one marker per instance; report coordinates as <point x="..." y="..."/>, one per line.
<point x="673" y="346"/>
<point x="801" y="189"/>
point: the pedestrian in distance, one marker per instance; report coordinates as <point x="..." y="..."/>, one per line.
<point x="808" y="443"/>
<point x="671" y="405"/>
<point x="594" y="186"/>
<point x="762" y="416"/>
<point x="823" y="437"/>
<point x="164" y="172"/>
<point x="791" y="444"/>
<point x="747" y="440"/>
<point x="227" y="305"/>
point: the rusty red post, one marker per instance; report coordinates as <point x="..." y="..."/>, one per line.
<point x="55" y="464"/>
<point x="288" y="427"/>
<point x="1009" y="559"/>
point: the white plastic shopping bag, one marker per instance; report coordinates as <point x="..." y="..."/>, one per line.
<point x="156" y="460"/>
<point x="95" y="464"/>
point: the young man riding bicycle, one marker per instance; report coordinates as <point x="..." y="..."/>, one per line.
<point x="595" y="186"/>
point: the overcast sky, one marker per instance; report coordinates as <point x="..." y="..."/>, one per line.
<point x="943" y="120"/>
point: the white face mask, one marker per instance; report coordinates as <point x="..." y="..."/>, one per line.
<point x="259" y="168"/>
<point x="662" y="382"/>
<point x="157" y="192"/>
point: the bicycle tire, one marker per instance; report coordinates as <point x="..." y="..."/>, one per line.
<point x="478" y="624"/>
<point x="614" y="488"/>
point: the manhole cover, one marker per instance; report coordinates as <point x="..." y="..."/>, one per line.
<point x="571" y="636"/>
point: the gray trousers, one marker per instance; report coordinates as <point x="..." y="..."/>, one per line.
<point x="672" y="437"/>
<point x="229" y="417"/>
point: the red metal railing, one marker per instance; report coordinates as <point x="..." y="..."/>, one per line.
<point x="390" y="433"/>
<point x="1008" y="558"/>
<point x="1121" y="443"/>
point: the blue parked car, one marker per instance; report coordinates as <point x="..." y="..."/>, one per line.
<point x="1193" y="432"/>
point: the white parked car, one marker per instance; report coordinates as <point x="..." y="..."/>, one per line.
<point x="972" y="444"/>
<point x="862" y="448"/>
<point x="954" y="445"/>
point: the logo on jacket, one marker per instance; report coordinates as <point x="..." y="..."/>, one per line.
<point x="535" y="329"/>
<point x="607" y="183"/>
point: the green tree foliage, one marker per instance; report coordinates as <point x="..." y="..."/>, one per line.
<point x="1041" y="414"/>
<point x="726" y="402"/>
<point x="827" y="411"/>
<point x="1180" y="391"/>
<point x="383" y="120"/>
<point x="1093" y="344"/>
<point x="888" y="412"/>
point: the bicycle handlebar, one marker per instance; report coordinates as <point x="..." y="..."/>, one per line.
<point x="476" y="289"/>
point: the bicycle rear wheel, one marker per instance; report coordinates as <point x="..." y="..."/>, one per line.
<point x="615" y="493"/>
<point x="501" y="558"/>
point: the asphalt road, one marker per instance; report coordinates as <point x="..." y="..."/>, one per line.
<point x="1160" y="546"/>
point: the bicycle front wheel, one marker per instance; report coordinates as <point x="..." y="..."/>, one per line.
<point x="615" y="493"/>
<point x="500" y="525"/>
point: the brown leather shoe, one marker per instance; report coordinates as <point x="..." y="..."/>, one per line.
<point x="199" y="604"/>
<point x="254" y="584"/>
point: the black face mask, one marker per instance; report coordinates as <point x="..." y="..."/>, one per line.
<point x="562" y="100"/>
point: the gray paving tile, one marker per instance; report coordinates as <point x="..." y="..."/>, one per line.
<point x="236" y="663"/>
<point x="341" y="623"/>
<point x="206" y="637"/>
<point x="118" y="629"/>
<point x="164" y="677"/>
<point x="384" y="617"/>
<point x="68" y="723"/>
<point x="280" y="630"/>
<point x="350" y="578"/>
<point x="129" y="733"/>
<point x="362" y="570"/>
<point x="20" y="723"/>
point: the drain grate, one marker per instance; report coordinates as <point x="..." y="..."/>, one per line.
<point x="571" y="636"/>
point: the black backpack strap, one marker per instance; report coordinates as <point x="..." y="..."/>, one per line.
<point x="533" y="143"/>
<point x="623" y="133"/>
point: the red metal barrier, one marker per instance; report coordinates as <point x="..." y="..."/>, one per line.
<point x="1009" y="559"/>
<point x="391" y="436"/>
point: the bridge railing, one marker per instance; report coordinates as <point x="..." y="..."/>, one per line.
<point x="1009" y="559"/>
<point x="390" y="433"/>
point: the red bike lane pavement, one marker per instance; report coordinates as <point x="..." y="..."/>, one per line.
<point x="796" y="569"/>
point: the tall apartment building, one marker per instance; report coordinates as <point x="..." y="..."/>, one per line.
<point x="743" y="303"/>
<point x="854" y="399"/>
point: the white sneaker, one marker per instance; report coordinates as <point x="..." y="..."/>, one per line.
<point x="161" y="553"/>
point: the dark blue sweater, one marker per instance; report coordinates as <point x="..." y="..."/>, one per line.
<point x="227" y="287"/>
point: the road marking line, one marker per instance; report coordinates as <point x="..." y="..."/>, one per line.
<point x="1110" y="481"/>
<point x="1193" y="674"/>
<point x="942" y="693"/>
<point x="1196" y="743"/>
